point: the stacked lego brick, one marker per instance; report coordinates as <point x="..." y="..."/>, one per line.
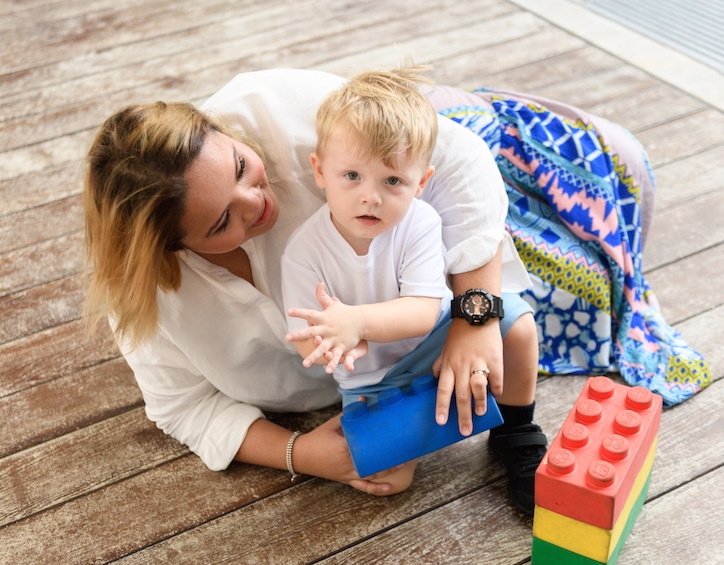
<point x="592" y="483"/>
<point x="401" y="426"/>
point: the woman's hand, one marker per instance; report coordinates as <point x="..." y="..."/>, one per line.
<point x="337" y="331"/>
<point x="468" y="348"/>
<point x="323" y="452"/>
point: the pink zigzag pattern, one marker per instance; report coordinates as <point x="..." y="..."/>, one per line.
<point x="561" y="201"/>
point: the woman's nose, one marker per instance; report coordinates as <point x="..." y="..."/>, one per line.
<point x="248" y="204"/>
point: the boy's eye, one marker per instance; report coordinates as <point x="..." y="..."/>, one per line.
<point x="351" y="176"/>
<point x="394" y="181"/>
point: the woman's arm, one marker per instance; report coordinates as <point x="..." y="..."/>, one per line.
<point x="220" y="429"/>
<point x="322" y="452"/>
<point x="468" y="348"/>
<point x="468" y="192"/>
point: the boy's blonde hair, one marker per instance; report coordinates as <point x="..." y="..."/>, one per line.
<point x="385" y="111"/>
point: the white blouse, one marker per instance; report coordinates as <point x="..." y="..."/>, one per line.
<point x="219" y="358"/>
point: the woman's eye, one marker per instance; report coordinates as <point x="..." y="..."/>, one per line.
<point x="240" y="171"/>
<point x="351" y="176"/>
<point x="225" y="223"/>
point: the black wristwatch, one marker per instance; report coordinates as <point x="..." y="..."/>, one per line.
<point x="477" y="306"/>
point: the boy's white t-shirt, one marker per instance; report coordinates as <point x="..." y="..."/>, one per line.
<point x="404" y="261"/>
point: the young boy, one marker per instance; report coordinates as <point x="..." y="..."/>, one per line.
<point x="378" y="252"/>
<point x="374" y="247"/>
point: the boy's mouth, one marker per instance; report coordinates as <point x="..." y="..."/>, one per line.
<point x="368" y="220"/>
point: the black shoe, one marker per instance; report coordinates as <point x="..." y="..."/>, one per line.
<point x="520" y="449"/>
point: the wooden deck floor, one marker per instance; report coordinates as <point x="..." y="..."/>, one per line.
<point x="86" y="478"/>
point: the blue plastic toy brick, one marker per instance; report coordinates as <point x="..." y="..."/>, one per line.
<point x="401" y="426"/>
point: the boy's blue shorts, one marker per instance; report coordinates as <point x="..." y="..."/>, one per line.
<point x="419" y="361"/>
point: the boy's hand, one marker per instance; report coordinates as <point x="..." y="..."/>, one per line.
<point x="336" y="331"/>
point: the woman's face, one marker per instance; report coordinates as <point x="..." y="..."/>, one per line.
<point x="229" y="199"/>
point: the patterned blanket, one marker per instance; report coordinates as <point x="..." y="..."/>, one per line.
<point x="579" y="190"/>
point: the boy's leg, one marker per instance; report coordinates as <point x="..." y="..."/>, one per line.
<point x="518" y="442"/>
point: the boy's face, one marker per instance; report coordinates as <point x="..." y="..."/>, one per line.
<point x="366" y="197"/>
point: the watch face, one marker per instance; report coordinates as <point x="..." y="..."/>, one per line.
<point x="476" y="305"/>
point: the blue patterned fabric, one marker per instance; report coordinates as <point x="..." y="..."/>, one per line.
<point x="575" y="217"/>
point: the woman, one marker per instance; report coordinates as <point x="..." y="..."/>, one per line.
<point x="186" y="223"/>
<point x="185" y="227"/>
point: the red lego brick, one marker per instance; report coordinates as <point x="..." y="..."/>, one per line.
<point x="591" y="465"/>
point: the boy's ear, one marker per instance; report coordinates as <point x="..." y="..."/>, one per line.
<point x="424" y="180"/>
<point x="316" y="162"/>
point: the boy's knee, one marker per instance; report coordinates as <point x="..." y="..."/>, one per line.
<point x="523" y="332"/>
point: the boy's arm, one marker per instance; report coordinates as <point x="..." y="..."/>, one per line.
<point x="338" y="328"/>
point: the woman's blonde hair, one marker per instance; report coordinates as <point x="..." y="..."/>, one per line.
<point x="384" y="110"/>
<point x="135" y="195"/>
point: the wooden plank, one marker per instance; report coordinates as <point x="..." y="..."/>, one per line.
<point x="535" y="77"/>
<point x="46" y="355"/>
<point x="691" y="441"/>
<point x="339" y="516"/>
<point x="68" y="501"/>
<point x="679" y="527"/>
<point x="676" y="140"/>
<point x="470" y="69"/>
<point x="70" y="149"/>
<point x="40" y="308"/>
<point x="17" y="7"/>
<point x="478" y="33"/>
<point x="214" y="39"/>
<point x="56" y="39"/>
<point x="652" y="106"/>
<point x="78" y="105"/>
<point x="19" y="191"/>
<point x="684" y="296"/>
<point x="58" y="407"/>
<point x="48" y="221"/>
<point x="74" y="465"/>
<point x="683" y="180"/>
<point x="475" y="529"/>
<point x="121" y="518"/>
<point x="681" y="231"/>
<point x="705" y="333"/>
<point x="593" y="89"/>
<point x="61" y="257"/>
<point x="31" y="12"/>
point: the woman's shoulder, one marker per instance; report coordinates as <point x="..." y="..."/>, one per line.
<point x="272" y="86"/>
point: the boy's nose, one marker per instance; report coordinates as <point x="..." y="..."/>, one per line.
<point x="371" y="196"/>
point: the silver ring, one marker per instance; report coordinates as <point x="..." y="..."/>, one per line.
<point x="485" y="372"/>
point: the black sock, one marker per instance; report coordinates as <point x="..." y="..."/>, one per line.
<point x="513" y="416"/>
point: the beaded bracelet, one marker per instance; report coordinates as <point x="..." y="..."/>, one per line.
<point x="290" y="446"/>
